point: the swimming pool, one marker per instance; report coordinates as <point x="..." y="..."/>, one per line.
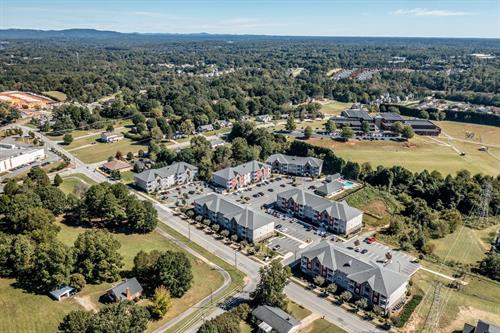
<point x="348" y="183"/>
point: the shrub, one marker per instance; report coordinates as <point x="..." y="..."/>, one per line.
<point x="408" y="310"/>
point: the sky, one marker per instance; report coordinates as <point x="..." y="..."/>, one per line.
<point x="410" y="18"/>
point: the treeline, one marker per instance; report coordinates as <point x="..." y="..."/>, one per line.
<point x="434" y="205"/>
<point x="8" y="114"/>
<point x="461" y="116"/>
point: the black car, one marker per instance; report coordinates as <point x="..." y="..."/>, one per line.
<point x="278" y="226"/>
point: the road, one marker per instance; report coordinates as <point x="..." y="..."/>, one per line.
<point x="332" y="313"/>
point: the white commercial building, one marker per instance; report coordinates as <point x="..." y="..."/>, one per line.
<point x="16" y="157"/>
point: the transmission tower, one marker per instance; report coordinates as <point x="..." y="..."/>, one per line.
<point x="432" y="320"/>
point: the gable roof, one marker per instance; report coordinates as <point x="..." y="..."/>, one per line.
<point x="278" y="319"/>
<point x="297" y="160"/>
<point x="242" y="215"/>
<point x="242" y="169"/>
<point x="120" y="291"/>
<point x="61" y="292"/>
<point x="340" y="210"/>
<point x="172" y="169"/>
<point x="485" y="327"/>
<point x="116" y="165"/>
<point x="357" y="268"/>
<point x="330" y="187"/>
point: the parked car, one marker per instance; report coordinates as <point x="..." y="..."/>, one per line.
<point x="364" y="251"/>
<point x="278" y="226"/>
<point x="276" y="247"/>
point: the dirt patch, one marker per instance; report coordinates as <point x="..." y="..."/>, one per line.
<point x="306" y="323"/>
<point x="469" y="315"/>
<point x="86" y="303"/>
<point x="376" y="207"/>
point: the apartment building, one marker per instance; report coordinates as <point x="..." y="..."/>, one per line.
<point x="247" y="223"/>
<point x="295" y="165"/>
<point x="241" y="176"/>
<point x="356" y="273"/>
<point x="338" y="217"/>
<point x="154" y="180"/>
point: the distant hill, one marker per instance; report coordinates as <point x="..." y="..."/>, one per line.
<point x="68" y="33"/>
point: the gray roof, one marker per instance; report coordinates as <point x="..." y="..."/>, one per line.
<point x="243" y="215"/>
<point x="335" y="176"/>
<point x="278" y="319"/>
<point x="391" y="116"/>
<point x="419" y="122"/>
<point x="172" y="169"/>
<point x="242" y="169"/>
<point x="60" y="292"/>
<point x="357" y="113"/>
<point x="297" y="160"/>
<point x="357" y="268"/>
<point x="340" y="210"/>
<point x="208" y="127"/>
<point x="330" y="187"/>
<point x="484" y="327"/>
<point x="120" y="291"/>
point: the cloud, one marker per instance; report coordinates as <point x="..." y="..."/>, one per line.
<point x="429" y="12"/>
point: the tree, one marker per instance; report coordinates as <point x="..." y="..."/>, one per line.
<point x="38" y="176"/>
<point x="121" y="317"/>
<point x="39" y="223"/>
<point x="331" y="288"/>
<point x="76" y="321"/>
<point x="161" y="302"/>
<point x="273" y="279"/>
<point x="407" y="132"/>
<point x="77" y="281"/>
<point x="490" y="266"/>
<point x="346" y="296"/>
<point x="308" y="132"/>
<point x="156" y="134"/>
<point x="57" y="180"/>
<point x="52" y="265"/>
<point x="365" y="127"/>
<point x="187" y="127"/>
<point x="97" y="257"/>
<point x="11" y="187"/>
<point x="115" y="175"/>
<point x="67" y="139"/>
<point x="347" y="133"/>
<point x="290" y="124"/>
<point x="225" y="233"/>
<point x="397" y="127"/>
<point x="319" y="280"/>
<point x="173" y="270"/>
<point x="234" y="238"/>
<point x="215" y="227"/>
<point x="130" y="156"/>
<point x="361" y="303"/>
<point x="144" y="263"/>
<point x="330" y="126"/>
<point x="142" y="216"/>
<point x="53" y="199"/>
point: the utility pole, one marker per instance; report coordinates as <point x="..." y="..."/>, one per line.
<point x="235" y="260"/>
<point x="211" y="296"/>
<point x="189" y="231"/>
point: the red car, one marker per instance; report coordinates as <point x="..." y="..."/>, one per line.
<point x="370" y="240"/>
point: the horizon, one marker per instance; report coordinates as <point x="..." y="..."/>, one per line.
<point x="317" y="18"/>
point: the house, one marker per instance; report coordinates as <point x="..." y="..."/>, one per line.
<point x="216" y="143"/>
<point x="61" y="293"/>
<point x="224" y="123"/>
<point x="205" y="128"/>
<point x="273" y="319"/>
<point x="329" y="188"/>
<point x="242" y="175"/>
<point x="12" y="157"/>
<point x="115" y="165"/>
<point x="128" y="290"/>
<point x="335" y="176"/>
<point x="108" y="137"/>
<point x="295" y="165"/>
<point x="481" y="327"/>
<point x="423" y="127"/>
<point x="356" y="273"/>
<point x="246" y="223"/>
<point x="338" y="217"/>
<point x="263" y="118"/>
<point x="154" y="180"/>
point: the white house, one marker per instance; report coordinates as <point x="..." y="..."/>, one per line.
<point x="161" y="179"/>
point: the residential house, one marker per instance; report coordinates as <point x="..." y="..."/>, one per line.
<point x="245" y="222"/>
<point x="217" y="143"/>
<point x="295" y="165"/>
<point x="263" y="118"/>
<point x="356" y="273"/>
<point x="338" y="217"/>
<point x="108" y="137"/>
<point x="481" y="327"/>
<point x="177" y="173"/>
<point x="61" y="293"/>
<point x="242" y="175"/>
<point x="205" y="128"/>
<point x="128" y="290"/>
<point x="224" y="123"/>
<point x="115" y="165"/>
<point x="272" y="319"/>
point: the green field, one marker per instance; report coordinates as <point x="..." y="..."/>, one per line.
<point x="478" y="299"/>
<point x="101" y="151"/>
<point x="57" y="95"/>
<point x="469" y="246"/>
<point x="70" y="182"/>
<point x="323" y="326"/>
<point x="334" y="108"/>
<point x="477" y="133"/>
<point x="417" y="154"/>
<point x="297" y="311"/>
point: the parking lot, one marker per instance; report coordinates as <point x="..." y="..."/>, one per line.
<point x="188" y="192"/>
<point x="400" y="261"/>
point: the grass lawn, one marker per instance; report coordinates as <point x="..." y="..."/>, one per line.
<point x="24" y="312"/>
<point x="297" y="311"/>
<point x="478" y="299"/>
<point x="470" y="245"/>
<point x="416" y="155"/>
<point x="71" y="182"/>
<point x="334" y="108"/>
<point x="481" y="133"/>
<point x="101" y="151"/>
<point x="57" y="95"/>
<point x="323" y="326"/>
<point x="205" y="279"/>
<point x="127" y="177"/>
<point x="245" y="328"/>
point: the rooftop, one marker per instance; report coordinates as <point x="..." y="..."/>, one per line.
<point x="133" y="286"/>
<point x="299" y="160"/>
<point x="165" y="172"/>
<point x="357" y="113"/>
<point x="241" y="169"/>
<point x="278" y="319"/>
<point x="116" y="165"/>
